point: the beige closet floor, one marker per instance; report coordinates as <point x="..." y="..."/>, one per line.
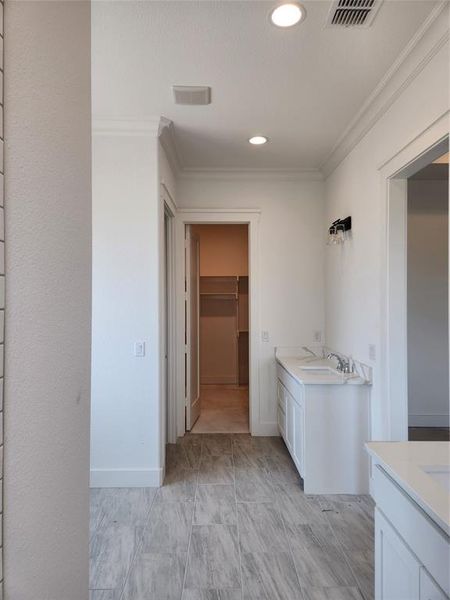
<point x="224" y="409"/>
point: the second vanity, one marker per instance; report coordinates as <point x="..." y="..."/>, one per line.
<point x="323" y="417"/>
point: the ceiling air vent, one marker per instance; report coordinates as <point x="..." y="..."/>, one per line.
<point x="192" y="94"/>
<point x="353" y="13"/>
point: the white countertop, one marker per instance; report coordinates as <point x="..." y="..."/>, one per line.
<point x="308" y="370"/>
<point x="408" y="462"/>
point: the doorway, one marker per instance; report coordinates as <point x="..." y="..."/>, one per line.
<point x="217" y="328"/>
<point x="403" y="351"/>
<point x="428" y="302"/>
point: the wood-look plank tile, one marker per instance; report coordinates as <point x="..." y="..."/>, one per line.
<point x="96" y="509"/>
<point x="216" y="444"/>
<point x="268" y="576"/>
<point x="281" y="469"/>
<point x="212" y="594"/>
<point x="215" y="504"/>
<point x="216" y="469"/>
<point x="261" y="528"/>
<point x="351" y="523"/>
<point x="213" y="560"/>
<point x="362" y="564"/>
<point x="103" y="595"/>
<point x="156" y="576"/>
<point x="179" y="486"/>
<point x="112" y="549"/>
<point x="296" y="508"/>
<point x="168" y="528"/>
<point x="185" y="456"/>
<point x="246" y="456"/>
<point x="332" y="593"/>
<point x="318" y="558"/>
<point x="253" y="485"/>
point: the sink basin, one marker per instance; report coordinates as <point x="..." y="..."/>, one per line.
<point x="441" y="474"/>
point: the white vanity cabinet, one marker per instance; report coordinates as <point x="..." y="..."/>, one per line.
<point x="325" y="428"/>
<point x="291" y="423"/>
<point x="412" y="554"/>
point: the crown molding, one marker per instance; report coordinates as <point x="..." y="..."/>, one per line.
<point x="424" y="45"/>
<point x="187" y="174"/>
<point x="168" y="142"/>
<point x="149" y="126"/>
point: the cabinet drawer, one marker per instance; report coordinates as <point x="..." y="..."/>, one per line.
<point x="291" y="385"/>
<point x="423" y="536"/>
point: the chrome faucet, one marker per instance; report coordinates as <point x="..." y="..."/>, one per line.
<point x="343" y="364"/>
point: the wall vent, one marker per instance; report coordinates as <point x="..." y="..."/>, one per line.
<point x="192" y="94"/>
<point x="353" y="13"/>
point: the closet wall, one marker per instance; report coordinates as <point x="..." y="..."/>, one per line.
<point x="223" y="303"/>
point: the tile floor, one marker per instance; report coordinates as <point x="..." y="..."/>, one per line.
<point x="224" y="409"/>
<point x="230" y="523"/>
<point x="429" y="434"/>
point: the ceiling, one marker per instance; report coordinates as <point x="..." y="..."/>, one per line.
<point x="300" y="87"/>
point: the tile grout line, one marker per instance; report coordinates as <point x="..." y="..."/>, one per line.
<point x="186" y="564"/>
<point x="237" y="520"/>
<point x="138" y="547"/>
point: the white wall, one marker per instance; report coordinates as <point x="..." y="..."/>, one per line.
<point x="428" y="355"/>
<point x="127" y="217"/>
<point x="353" y="271"/>
<point x="48" y="299"/>
<point x="291" y="249"/>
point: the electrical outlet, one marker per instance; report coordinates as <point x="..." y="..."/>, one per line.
<point x="265" y="336"/>
<point x="372" y="352"/>
<point x="139" y="349"/>
<point x="317" y="336"/>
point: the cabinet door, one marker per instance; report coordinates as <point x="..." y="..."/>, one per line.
<point x="298" y="436"/>
<point x="429" y="590"/>
<point x="289" y="420"/>
<point x="397" y="571"/>
<point x="281" y="409"/>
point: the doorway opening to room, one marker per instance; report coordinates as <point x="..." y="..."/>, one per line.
<point x="428" y="302"/>
<point x="416" y="334"/>
<point x="217" y="328"/>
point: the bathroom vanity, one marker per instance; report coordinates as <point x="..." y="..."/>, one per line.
<point x="323" y="417"/>
<point x="411" y="488"/>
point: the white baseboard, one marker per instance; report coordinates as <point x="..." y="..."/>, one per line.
<point x="105" y="478"/>
<point x="265" y="429"/>
<point x="426" y="420"/>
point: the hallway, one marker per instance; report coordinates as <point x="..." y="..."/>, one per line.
<point x="230" y="523"/>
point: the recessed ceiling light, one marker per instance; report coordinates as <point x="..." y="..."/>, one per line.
<point x="258" y="140"/>
<point x="288" y="14"/>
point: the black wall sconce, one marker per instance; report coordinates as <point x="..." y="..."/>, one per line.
<point x="337" y="231"/>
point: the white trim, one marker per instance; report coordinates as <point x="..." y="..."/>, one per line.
<point x="169" y="143"/>
<point x="251" y="174"/>
<point x="425" y="44"/>
<point x="122" y="126"/>
<point x="393" y="174"/>
<point x="428" y="420"/>
<point x="123" y="478"/>
<point x="251" y="217"/>
<point x="170" y="396"/>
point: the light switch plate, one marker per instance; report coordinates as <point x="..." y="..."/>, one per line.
<point x="139" y="349"/>
<point x="265" y="336"/>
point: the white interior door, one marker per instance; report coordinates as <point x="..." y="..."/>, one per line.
<point x="192" y="328"/>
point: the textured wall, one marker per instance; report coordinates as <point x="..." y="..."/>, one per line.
<point x="48" y="267"/>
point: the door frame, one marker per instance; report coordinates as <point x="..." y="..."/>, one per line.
<point x="426" y="147"/>
<point x="198" y="216"/>
<point x="168" y="396"/>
